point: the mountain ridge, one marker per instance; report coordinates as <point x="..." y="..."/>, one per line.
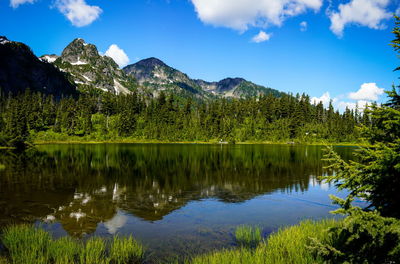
<point x="21" y="69"/>
<point x="83" y="67"/>
<point x="153" y="72"/>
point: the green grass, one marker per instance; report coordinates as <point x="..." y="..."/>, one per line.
<point x="26" y="244"/>
<point x="289" y="245"/>
<point x="64" y="250"/>
<point x="94" y="252"/>
<point x="248" y="236"/>
<point x="2" y="167"/>
<point x="126" y="250"/>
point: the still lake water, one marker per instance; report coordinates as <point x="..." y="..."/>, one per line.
<point x="178" y="200"/>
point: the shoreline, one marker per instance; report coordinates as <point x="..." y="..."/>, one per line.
<point x="94" y="142"/>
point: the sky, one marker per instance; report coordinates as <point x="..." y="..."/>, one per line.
<point x="330" y="50"/>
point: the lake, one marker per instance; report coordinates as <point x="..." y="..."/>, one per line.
<point x="178" y="200"/>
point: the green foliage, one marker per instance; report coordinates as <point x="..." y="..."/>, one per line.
<point x="26" y="245"/>
<point x="289" y="245"/>
<point x="29" y="245"/>
<point x="64" y="251"/>
<point x="362" y="237"/>
<point x="103" y="116"/>
<point x="126" y="250"/>
<point x="94" y="252"/>
<point x="248" y="236"/>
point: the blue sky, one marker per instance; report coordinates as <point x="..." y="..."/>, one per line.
<point x="311" y="46"/>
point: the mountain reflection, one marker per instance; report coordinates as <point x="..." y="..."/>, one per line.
<point x="81" y="186"/>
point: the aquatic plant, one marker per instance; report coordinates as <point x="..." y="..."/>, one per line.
<point x="26" y="244"/>
<point x="94" y="252"/>
<point x="126" y="250"/>
<point x="64" y="250"/>
<point x="248" y="236"/>
<point x="289" y="245"/>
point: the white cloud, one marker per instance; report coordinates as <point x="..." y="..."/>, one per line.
<point x="16" y="3"/>
<point x="325" y="99"/>
<point x="368" y="91"/>
<point x="261" y="37"/>
<point x="360" y="105"/>
<point x="78" y="11"/>
<point x="118" y="55"/>
<point x="303" y="26"/>
<point x="369" y="13"/>
<point x="240" y="14"/>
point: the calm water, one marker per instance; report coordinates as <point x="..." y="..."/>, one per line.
<point x="176" y="199"/>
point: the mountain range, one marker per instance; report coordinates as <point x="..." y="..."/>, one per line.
<point x="80" y="66"/>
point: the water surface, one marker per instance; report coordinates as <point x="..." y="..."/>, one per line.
<point x="177" y="199"/>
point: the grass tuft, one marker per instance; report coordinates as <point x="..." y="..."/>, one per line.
<point x="289" y="245"/>
<point x="248" y="236"/>
<point x="64" y="251"/>
<point x="27" y="245"/>
<point x="126" y="250"/>
<point x="94" y="252"/>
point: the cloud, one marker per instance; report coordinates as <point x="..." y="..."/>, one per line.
<point x="78" y="11"/>
<point x="360" y="105"/>
<point x="368" y="13"/>
<point x="241" y="14"/>
<point x="261" y="37"/>
<point x="17" y="3"/>
<point x="368" y="91"/>
<point x="303" y="26"/>
<point x="325" y="99"/>
<point x="118" y="55"/>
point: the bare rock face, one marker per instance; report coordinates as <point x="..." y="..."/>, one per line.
<point x="89" y="69"/>
<point x="20" y="69"/>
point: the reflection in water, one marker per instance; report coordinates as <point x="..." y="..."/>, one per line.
<point x="80" y="186"/>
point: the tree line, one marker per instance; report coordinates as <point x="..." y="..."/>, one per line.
<point x="94" y="115"/>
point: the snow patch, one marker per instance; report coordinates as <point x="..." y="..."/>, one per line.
<point x="78" y="63"/>
<point x="119" y="88"/>
<point x="87" y="78"/>
<point x="48" y="59"/>
<point x="4" y="40"/>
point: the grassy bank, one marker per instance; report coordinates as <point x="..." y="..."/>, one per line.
<point x="289" y="245"/>
<point x="28" y="245"/>
<point x="50" y="137"/>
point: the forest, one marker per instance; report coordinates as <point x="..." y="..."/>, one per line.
<point x="103" y="116"/>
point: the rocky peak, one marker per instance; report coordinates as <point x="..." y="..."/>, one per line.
<point x="80" y="52"/>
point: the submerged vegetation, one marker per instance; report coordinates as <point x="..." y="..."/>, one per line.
<point x="26" y="244"/>
<point x="248" y="236"/>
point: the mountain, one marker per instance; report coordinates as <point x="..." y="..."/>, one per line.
<point x="81" y="66"/>
<point x="236" y="88"/>
<point x="20" y="69"/>
<point x="156" y="75"/>
<point x="90" y="69"/>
